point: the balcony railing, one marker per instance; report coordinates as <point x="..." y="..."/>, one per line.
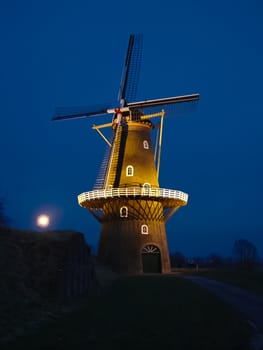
<point x="132" y="192"/>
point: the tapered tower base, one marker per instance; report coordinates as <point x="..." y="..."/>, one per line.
<point x="133" y="236"/>
<point x="126" y="249"/>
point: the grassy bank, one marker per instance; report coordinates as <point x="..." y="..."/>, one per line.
<point x="145" y="312"/>
<point x="250" y="280"/>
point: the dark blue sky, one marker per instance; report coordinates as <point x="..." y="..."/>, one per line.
<point x="66" y="53"/>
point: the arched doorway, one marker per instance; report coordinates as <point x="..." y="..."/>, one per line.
<point x="151" y="259"/>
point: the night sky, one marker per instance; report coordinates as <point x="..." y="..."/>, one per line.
<point x="71" y="53"/>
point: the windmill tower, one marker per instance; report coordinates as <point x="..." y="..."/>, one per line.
<point x="127" y="199"/>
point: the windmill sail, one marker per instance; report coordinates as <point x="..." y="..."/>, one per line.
<point x="130" y="76"/>
<point x="62" y="113"/>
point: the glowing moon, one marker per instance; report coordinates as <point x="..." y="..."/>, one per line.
<point x="42" y="220"/>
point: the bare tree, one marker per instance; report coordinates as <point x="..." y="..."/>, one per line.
<point x="245" y="254"/>
<point x="215" y="260"/>
<point x="177" y="259"/>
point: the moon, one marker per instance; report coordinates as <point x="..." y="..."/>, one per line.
<point x="43" y="220"/>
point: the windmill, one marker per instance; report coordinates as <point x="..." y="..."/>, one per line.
<point x="127" y="199"/>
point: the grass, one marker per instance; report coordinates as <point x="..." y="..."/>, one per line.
<point x="143" y="312"/>
<point x="250" y="280"/>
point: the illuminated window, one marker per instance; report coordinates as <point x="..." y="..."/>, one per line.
<point x="150" y="249"/>
<point x="124" y="212"/>
<point x="129" y="170"/>
<point x="145" y="144"/>
<point x="146" y="185"/>
<point x="144" y="230"/>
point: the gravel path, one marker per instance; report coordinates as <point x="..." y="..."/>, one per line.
<point x="248" y="303"/>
